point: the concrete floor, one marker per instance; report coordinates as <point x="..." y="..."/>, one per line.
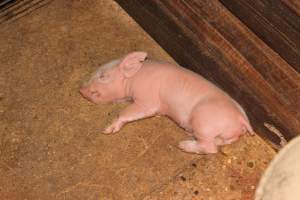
<point x="50" y="141"/>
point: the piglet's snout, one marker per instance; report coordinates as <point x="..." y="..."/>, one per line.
<point x="88" y="93"/>
<point x="85" y="92"/>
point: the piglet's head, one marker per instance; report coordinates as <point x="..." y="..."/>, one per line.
<point x="109" y="82"/>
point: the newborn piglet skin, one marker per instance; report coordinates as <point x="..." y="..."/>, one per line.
<point x="206" y="112"/>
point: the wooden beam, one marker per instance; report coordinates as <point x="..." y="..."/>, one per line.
<point x="293" y="5"/>
<point x="274" y="22"/>
<point x="206" y="38"/>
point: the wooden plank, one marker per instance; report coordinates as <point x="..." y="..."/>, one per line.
<point x="293" y="5"/>
<point x="196" y="35"/>
<point x="15" y="9"/>
<point x="274" y="22"/>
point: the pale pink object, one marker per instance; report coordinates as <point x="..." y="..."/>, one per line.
<point x="202" y="109"/>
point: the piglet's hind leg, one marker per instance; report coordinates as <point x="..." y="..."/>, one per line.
<point x="199" y="147"/>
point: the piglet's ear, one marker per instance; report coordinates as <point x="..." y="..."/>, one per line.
<point x="132" y="63"/>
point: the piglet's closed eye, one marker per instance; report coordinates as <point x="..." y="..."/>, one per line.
<point x="104" y="77"/>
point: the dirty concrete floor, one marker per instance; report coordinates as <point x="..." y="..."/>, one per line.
<point x="50" y="141"/>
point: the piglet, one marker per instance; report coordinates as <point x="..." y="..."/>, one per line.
<point x="207" y="113"/>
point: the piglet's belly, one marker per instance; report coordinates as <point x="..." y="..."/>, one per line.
<point x="180" y="116"/>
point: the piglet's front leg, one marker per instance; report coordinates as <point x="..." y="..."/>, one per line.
<point x="131" y="113"/>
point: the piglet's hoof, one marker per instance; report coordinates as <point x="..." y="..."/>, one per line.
<point x="111" y="129"/>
